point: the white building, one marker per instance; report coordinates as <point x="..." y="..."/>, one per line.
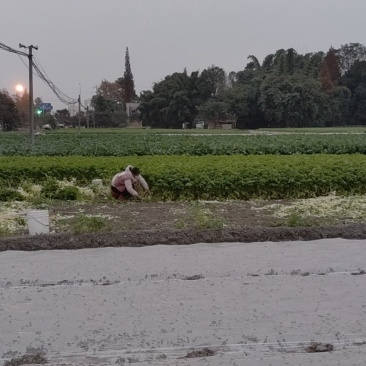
<point x="88" y="103"/>
<point x="73" y="109"/>
<point x="131" y="108"/>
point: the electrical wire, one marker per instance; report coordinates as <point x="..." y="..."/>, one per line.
<point x="9" y="49"/>
<point x="60" y="95"/>
<point x="43" y="75"/>
<point x="40" y="72"/>
<point x="23" y="62"/>
<point x="40" y="65"/>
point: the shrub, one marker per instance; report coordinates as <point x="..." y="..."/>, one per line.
<point x="50" y="188"/>
<point x="70" y="193"/>
<point x="7" y="194"/>
<point x="88" y="224"/>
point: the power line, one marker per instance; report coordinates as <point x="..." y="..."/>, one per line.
<point x="9" y="49"/>
<point x="43" y="75"/>
<point x="40" y="72"/>
<point x="23" y="62"/>
<point x="40" y="65"/>
<point x="60" y="95"/>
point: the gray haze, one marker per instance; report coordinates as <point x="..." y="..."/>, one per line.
<point x="84" y="41"/>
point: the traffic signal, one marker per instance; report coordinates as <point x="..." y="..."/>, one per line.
<point x="39" y="111"/>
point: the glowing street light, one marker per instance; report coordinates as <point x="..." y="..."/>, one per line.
<point x="19" y="88"/>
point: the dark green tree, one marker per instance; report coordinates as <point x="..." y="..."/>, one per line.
<point x="355" y="81"/>
<point x="242" y="102"/>
<point x="22" y="104"/>
<point x="108" y="113"/>
<point x="335" y="107"/>
<point x="127" y="83"/>
<point x="213" y="110"/>
<point x="211" y="83"/>
<point x="9" y="115"/>
<point x="62" y="116"/>
<point x="172" y="102"/>
<point x="290" y="101"/>
<point x="290" y="61"/>
<point x="150" y="109"/>
<point x="312" y="64"/>
<point x="253" y="64"/>
<point x="37" y="102"/>
<point x="349" y="53"/>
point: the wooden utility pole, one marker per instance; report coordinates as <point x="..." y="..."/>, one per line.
<point x="79" y="114"/>
<point x="87" y="116"/>
<point x="31" y="116"/>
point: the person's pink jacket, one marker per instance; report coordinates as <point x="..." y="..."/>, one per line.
<point x="125" y="180"/>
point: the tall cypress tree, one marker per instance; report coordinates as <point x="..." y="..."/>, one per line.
<point x="325" y="77"/>
<point x="333" y="65"/>
<point x="128" y="85"/>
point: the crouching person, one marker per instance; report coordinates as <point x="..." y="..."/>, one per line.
<point x="123" y="183"/>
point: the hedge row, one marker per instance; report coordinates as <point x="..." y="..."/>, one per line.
<point x="207" y="177"/>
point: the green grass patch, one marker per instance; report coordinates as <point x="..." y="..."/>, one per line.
<point x="201" y="217"/>
<point x="88" y="224"/>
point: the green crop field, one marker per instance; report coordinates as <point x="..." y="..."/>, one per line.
<point x="195" y="164"/>
<point x="205" y="177"/>
<point x="130" y="143"/>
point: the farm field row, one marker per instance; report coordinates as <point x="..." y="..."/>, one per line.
<point x="139" y="144"/>
<point x="205" y="177"/>
<point x="145" y="130"/>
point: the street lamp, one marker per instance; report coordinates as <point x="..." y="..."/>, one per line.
<point x="19" y="88"/>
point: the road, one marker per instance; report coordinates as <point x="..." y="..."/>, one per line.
<point x="249" y="304"/>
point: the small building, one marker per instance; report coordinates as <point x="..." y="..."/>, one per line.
<point x="73" y="109"/>
<point x="133" y="115"/>
<point x="131" y="108"/>
<point x="200" y="124"/>
<point x="227" y="124"/>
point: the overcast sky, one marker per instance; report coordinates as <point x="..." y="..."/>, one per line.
<point x="84" y="41"/>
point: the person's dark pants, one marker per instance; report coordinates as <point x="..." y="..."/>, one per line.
<point x="117" y="194"/>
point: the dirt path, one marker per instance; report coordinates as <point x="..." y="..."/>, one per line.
<point x="110" y="224"/>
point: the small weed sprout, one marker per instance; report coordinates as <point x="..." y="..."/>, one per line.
<point x="4" y="231"/>
<point x="205" y="219"/>
<point x="89" y="224"/>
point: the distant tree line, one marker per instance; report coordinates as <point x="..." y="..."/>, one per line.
<point x="286" y="90"/>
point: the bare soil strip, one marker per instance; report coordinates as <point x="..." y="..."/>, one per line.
<point x="137" y="238"/>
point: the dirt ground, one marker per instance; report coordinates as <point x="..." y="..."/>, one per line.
<point x="151" y="223"/>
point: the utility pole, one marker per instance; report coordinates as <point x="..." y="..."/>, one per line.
<point x="96" y="92"/>
<point x="79" y="101"/>
<point x="31" y="116"/>
<point x="79" y="114"/>
<point x="87" y="116"/>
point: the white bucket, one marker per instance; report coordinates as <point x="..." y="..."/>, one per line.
<point x="97" y="182"/>
<point x="38" y="222"/>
